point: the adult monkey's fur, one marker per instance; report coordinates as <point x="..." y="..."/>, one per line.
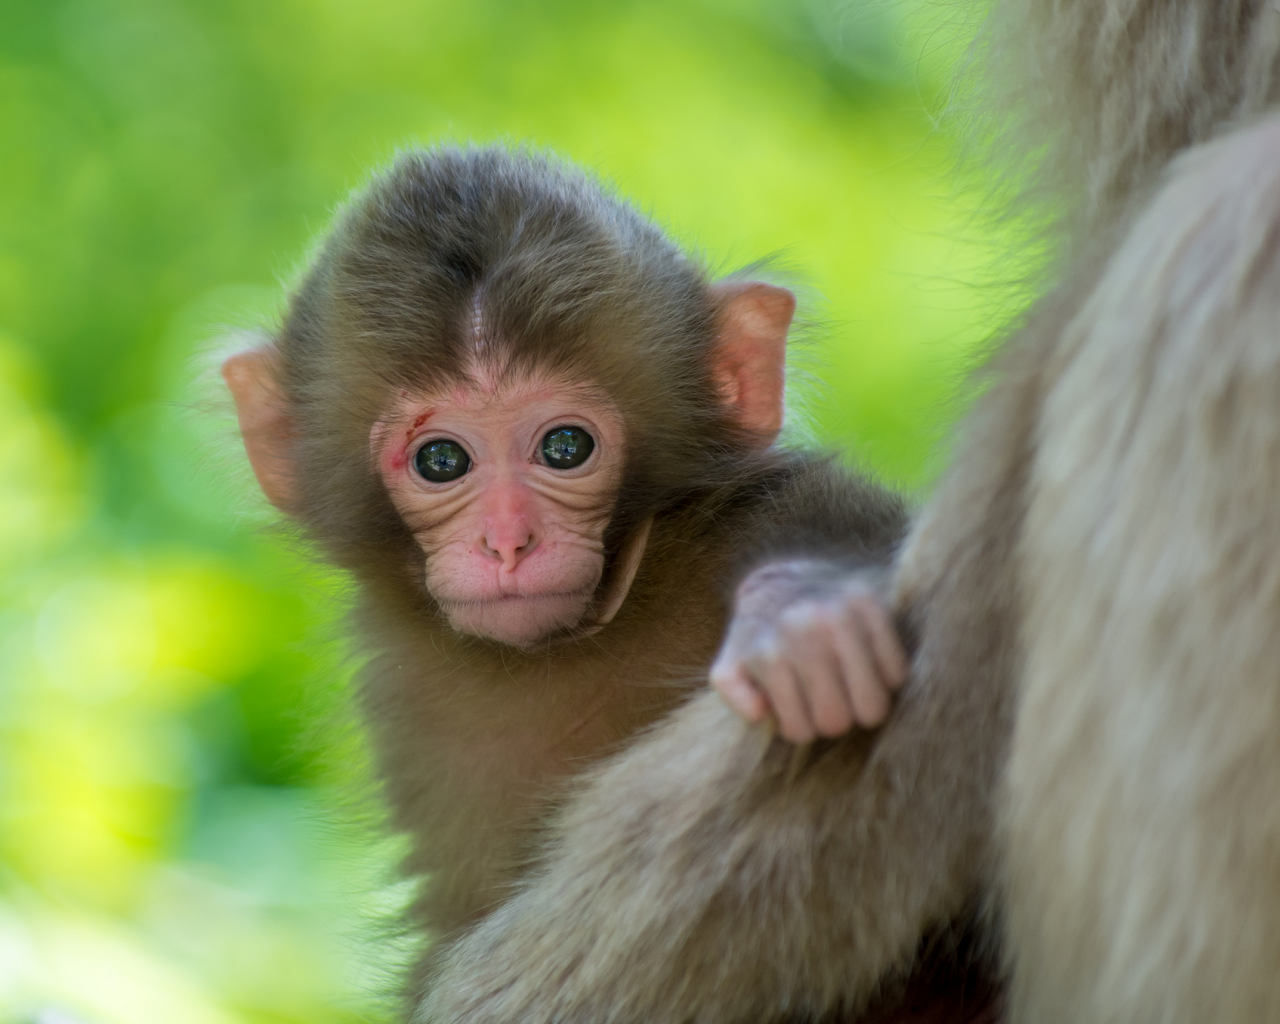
<point x="1090" y="743"/>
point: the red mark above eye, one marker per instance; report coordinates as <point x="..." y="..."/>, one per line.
<point x="398" y="457"/>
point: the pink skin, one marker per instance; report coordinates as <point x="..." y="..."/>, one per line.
<point x="818" y="664"/>
<point x="514" y="548"/>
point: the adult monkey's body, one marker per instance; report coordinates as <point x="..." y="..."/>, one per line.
<point x="1088" y="743"/>
<point x="542" y="442"/>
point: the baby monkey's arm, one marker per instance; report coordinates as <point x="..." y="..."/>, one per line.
<point x="813" y="646"/>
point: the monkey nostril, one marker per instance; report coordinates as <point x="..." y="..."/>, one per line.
<point x="509" y="550"/>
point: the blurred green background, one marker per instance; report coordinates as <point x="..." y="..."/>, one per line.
<point x="178" y="841"/>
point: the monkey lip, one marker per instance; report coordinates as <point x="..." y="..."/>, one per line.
<point x="518" y="619"/>
<point x="452" y="603"/>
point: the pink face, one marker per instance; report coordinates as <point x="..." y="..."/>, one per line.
<point x="507" y="487"/>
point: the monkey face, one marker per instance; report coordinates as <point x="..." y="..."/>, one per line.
<point x="507" y="483"/>
<point x="522" y="311"/>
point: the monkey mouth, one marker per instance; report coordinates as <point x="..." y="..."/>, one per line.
<point x="450" y="604"/>
<point x="518" y="619"/>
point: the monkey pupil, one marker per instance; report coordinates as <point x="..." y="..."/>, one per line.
<point x="441" y="461"/>
<point x="566" y="447"/>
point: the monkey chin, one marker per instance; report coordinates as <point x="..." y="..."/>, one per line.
<point x="519" y="620"/>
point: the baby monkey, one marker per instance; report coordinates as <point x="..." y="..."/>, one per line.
<point x="541" y="440"/>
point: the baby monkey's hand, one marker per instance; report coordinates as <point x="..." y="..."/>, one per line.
<point x="817" y="653"/>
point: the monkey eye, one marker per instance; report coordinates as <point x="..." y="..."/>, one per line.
<point x="441" y="460"/>
<point x="567" y="447"/>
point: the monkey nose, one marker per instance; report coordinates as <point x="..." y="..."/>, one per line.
<point x="509" y="546"/>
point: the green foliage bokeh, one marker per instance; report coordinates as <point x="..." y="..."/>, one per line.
<point x="169" y="847"/>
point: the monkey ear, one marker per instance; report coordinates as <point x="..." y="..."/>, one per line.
<point x="751" y="355"/>
<point x="266" y="423"/>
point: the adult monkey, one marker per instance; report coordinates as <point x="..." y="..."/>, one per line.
<point x="1088" y="745"/>
<point x="541" y="440"/>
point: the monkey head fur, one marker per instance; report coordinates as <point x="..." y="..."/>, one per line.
<point x="463" y="266"/>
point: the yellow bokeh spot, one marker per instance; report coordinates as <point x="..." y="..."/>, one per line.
<point x="206" y="620"/>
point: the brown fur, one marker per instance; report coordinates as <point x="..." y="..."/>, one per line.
<point x="472" y="737"/>
<point x="1088" y="746"/>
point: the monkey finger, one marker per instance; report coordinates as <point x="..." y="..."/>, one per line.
<point x="818" y="672"/>
<point x="866" y="689"/>
<point x="739" y="692"/>
<point x="795" y="721"/>
<point x="882" y="641"/>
